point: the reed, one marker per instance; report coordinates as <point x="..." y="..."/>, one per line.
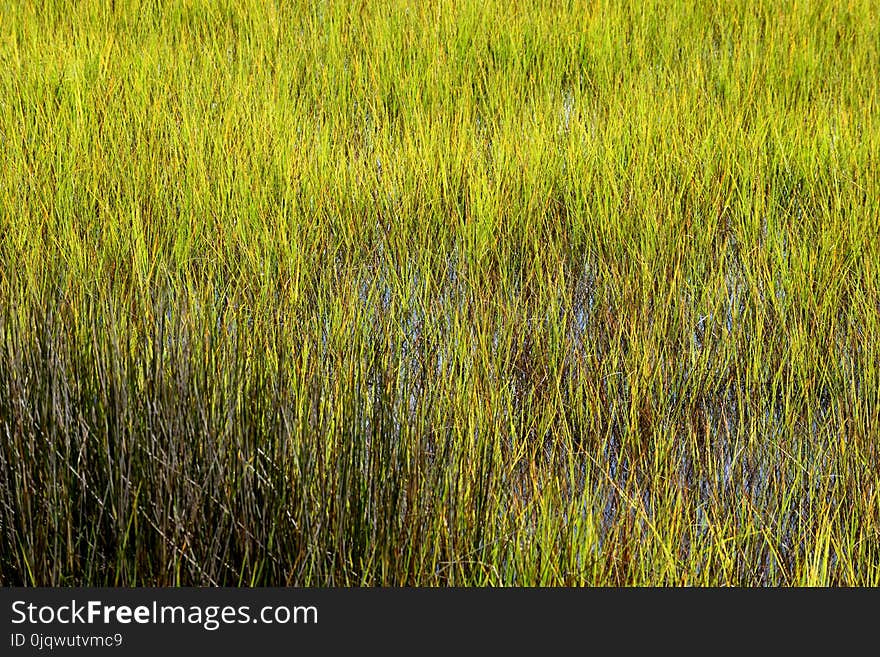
<point x="449" y="293"/>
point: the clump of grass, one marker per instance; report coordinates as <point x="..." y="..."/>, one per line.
<point x="465" y="294"/>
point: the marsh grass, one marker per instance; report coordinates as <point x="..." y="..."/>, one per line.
<point x="459" y="293"/>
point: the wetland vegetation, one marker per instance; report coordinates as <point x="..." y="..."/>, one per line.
<point x="439" y="293"/>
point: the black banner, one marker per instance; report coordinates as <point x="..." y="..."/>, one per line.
<point x="118" y="621"/>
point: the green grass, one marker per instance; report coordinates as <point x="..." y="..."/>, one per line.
<point x="449" y="293"/>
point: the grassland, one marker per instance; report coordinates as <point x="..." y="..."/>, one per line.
<point x="440" y="293"/>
